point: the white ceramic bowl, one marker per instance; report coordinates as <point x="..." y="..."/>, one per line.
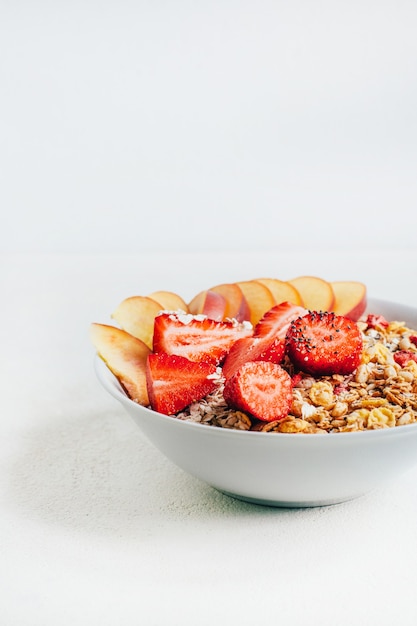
<point x="288" y="470"/>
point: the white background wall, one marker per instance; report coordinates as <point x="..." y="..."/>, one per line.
<point x="150" y="125"/>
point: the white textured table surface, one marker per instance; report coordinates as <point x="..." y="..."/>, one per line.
<point x="98" y="528"/>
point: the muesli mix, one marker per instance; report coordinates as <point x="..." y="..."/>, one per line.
<point x="380" y="393"/>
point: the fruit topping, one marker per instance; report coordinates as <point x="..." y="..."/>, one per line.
<point x="324" y="343"/>
<point x="169" y="300"/>
<point x="258" y="297"/>
<point x="209" y="303"/>
<point x="125" y="356"/>
<point x="350" y="298"/>
<point x="136" y="316"/>
<point x="281" y="290"/>
<point x="402" y="357"/>
<point x="277" y="320"/>
<point x="316" y="293"/>
<point x="236" y="304"/>
<point x="196" y="338"/>
<point x="262" y="389"/>
<point x="267" y="343"/>
<point x="376" y="321"/>
<point x="253" y="349"/>
<point x="168" y="354"/>
<point x="173" y="382"/>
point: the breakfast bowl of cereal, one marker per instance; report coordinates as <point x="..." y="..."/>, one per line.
<point x="299" y="407"/>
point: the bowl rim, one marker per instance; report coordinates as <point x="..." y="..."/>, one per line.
<point x="110" y="383"/>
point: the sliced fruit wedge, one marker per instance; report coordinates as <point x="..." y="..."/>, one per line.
<point x="125" y="356"/>
<point x="252" y="349"/>
<point x="136" y="316"/>
<point x="197" y="339"/>
<point x="174" y="382"/>
<point x="209" y="303"/>
<point x="258" y="297"/>
<point x="268" y="340"/>
<point x="277" y="320"/>
<point x="316" y="293"/>
<point x="281" y="290"/>
<point x="236" y="304"/>
<point x="260" y="388"/>
<point x="169" y="300"/>
<point x="350" y="298"/>
<point x="322" y="344"/>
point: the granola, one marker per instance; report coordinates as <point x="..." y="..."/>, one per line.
<point x="381" y="393"/>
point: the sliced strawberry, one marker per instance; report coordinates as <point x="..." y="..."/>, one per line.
<point x="253" y="349"/>
<point x="196" y="338"/>
<point x="268" y="341"/>
<point x="413" y="339"/>
<point x="173" y="382"/>
<point x="324" y="343"/>
<point x="277" y="320"/>
<point x="402" y="357"/>
<point x="273" y="351"/>
<point x="376" y="320"/>
<point x="296" y="379"/>
<point x="260" y="388"/>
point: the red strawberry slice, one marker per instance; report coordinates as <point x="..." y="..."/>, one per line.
<point x="267" y="343"/>
<point x="253" y="349"/>
<point x="296" y="379"/>
<point x="373" y="321"/>
<point x="260" y="388"/>
<point x="402" y="357"/>
<point x="173" y="382"/>
<point x="324" y="343"/>
<point x="196" y="338"/>
<point x="277" y="320"/>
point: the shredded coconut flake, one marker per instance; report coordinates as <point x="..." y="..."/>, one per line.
<point x="245" y="325"/>
<point x="185" y="318"/>
<point x="308" y="410"/>
<point x="217" y="375"/>
<point x="176" y="312"/>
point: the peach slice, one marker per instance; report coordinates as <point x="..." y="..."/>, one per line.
<point x="208" y="303"/>
<point x="281" y="290"/>
<point x="169" y="300"/>
<point x="350" y="298"/>
<point x="258" y="297"/>
<point x="136" y="316"/>
<point x="196" y="305"/>
<point x="317" y="294"/>
<point x="236" y="304"/>
<point x="125" y="356"/>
